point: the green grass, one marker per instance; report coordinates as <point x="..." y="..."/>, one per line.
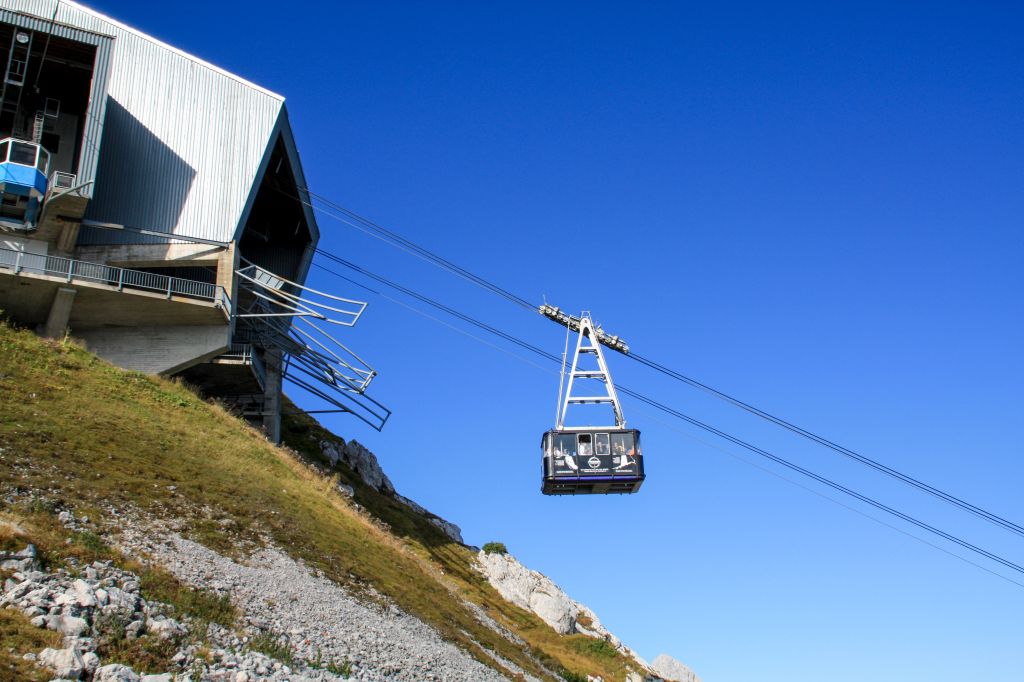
<point x="275" y="646"/>
<point x="146" y="654"/>
<point x="594" y="647"/>
<point x="17" y="633"/>
<point x="73" y="427"/>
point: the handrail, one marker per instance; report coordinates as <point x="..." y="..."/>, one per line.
<point x="120" y="278"/>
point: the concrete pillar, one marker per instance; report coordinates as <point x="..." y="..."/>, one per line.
<point x="272" y="395"/>
<point x="227" y="263"/>
<point x="60" y="313"/>
<point x="68" y="236"/>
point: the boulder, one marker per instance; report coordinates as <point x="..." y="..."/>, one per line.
<point x="80" y="594"/>
<point x="115" y="672"/>
<point x="672" y="670"/>
<point x="25" y="560"/>
<point x="91" y="661"/>
<point x="66" y="663"/>
<point x="166" y="628"/>
<point x="69" y="626"/>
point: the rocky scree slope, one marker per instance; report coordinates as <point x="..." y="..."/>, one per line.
<point x="174" y="486"/>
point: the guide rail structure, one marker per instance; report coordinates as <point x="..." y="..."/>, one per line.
<point x="581" y="460"/>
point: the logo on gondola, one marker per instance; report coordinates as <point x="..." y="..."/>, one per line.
<point x="594" y="462"/>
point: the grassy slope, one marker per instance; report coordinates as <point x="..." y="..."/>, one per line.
<point x="73" y="427"/>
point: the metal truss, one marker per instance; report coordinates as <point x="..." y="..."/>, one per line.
<point x="280" y="315"/>
<point x="588" y="344"/>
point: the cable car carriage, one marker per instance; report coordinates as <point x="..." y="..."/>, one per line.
<point x="581" y="460"/>
<point x="592" y="461"/>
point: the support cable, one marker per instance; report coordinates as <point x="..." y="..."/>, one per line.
<point x="820" y="440"/>
<point x="388" y="235"/>
<point x="701" y="425"/>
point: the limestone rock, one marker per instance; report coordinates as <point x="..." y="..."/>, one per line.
<point x="530" y="590"/>
<point x="66" y="663"/>
<point x="166" y="628"/>
<point x="449" y="528"/>
<point x="537" y="593"/>
<point x="25" y="560"/>
<point x="115" y="672"/>
<point x="672" y="670"/>
<point x="69" y="626"/>
<point x="91" y="661"/>
<point x="359" y="460"/>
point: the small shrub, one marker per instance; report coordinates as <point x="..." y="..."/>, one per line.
<point x="344" y="668"/>
<point x="495" y="548"/>
<point x="595" y="647"/>
<point x="147" y="654"/>
<point x="570" y="676"/>
<point x="275" y="646"/>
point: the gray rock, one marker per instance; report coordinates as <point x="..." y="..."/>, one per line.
<point x="115" y="672"/>
<point x="449" y="528"/>
<point x="134" y="629"/>
<point x="359" y="460"/>
<point x="25" y="560"/>
<point x="530" y="590"/>
<point x="121" y="599"/>
<point x="536" y="592"/>
<point x="166" y="628"/>
<point x="162" y="677"/>
<point x="70" y="626"/>
<point x="346" y="490"/>
<point x="91" y="661"/>
<point x="672" y="670"/>
<point x="80" y="594"/>
<point x="65" y="663"/>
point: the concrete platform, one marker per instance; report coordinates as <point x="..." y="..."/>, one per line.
<point x="28" y="296"/>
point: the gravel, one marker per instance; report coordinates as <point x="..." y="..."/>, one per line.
<point x="319" y="619"/>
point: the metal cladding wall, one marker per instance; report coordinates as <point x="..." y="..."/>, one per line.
<point x="93" y="126"/>
<point x="183" y="140"/>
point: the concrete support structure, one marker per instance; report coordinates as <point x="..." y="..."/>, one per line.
<point x="272" y="395"/>
<point x="158" y="349"/>
<point x="60" y="313"/>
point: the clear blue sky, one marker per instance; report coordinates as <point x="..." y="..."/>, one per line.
<point x="818" y="210"/>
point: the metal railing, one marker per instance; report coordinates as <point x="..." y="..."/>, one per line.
<point x="120" y="278"/>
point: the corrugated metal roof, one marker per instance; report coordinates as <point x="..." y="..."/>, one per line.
<point x="183" y="140"/>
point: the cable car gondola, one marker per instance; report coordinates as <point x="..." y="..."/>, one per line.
<point x="592" y="461"/>
<point x="583" y="460"/>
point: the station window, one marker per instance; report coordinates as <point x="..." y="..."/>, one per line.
<point x="44" y="160"/>
<point x="23" y="154"/>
